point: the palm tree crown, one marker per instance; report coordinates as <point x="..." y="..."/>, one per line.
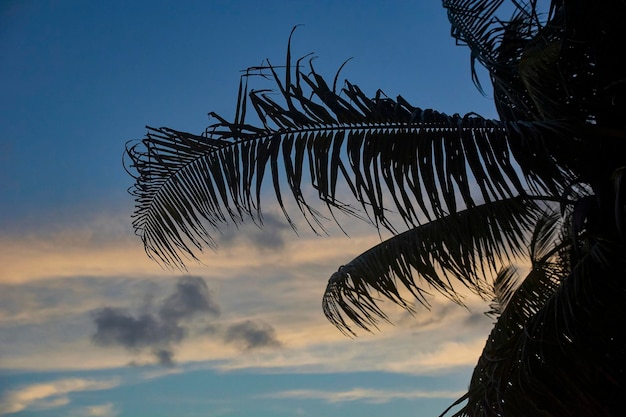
<point x="471" y="193"/>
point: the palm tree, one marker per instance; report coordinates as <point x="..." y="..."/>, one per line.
<point x="471" y="194"/>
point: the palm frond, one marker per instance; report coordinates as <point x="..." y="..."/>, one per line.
<point x="548" y="59"/>
<point x="467" y="189"/>
<point x="515" y="305"/>
<point x="504" y="287"/>
<point x="542" y="249"/>
<point x="385" y="154"/>
<point x="496" y="31"/>
<point x="557" y="346"/>
<point x="565" y="356"/>
<point x="465" y="246"/>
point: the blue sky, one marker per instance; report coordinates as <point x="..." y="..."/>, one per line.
<point x="89" y="326"/>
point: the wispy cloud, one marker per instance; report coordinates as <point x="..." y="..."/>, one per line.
<point x="50" y="394"/>
<point x="269" y="235"/>
<point x="83" y="244"/>
<point x="393" y="352"/>
<point x="362" y="394"/>
<point x="100" y="245"/>
<point x="102" y="410"/>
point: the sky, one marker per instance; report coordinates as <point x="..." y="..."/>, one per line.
<point x="90" y="326"/>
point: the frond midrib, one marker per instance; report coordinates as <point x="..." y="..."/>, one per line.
<point x="347" y="127"/>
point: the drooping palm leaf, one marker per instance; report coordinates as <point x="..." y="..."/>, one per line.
<point x="387" y="155"/>
<point x="554" y="350"/>
<point x="514" y="305"/>
<point x="464" y="247"/>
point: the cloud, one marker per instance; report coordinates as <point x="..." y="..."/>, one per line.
<point x="362" y="394"/>
<point x="50" y="394"/>
<point x="451" y="354"/>
<point x="102" y="410"/>
<point x="267" y="236"/>
<point x="165" y="357"/>
<point x="192" y="297"/>
<point x="44" y="320"/>
<point x="116" y="327"/>
<point x="93" y="244"/>
<point x="158" y="332"/>
<point x="42" y="301"/>
<point x="450" y="346"/>
<point x="271" y="235"/>
<point x="251" y="335"/>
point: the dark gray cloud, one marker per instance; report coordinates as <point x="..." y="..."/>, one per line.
<point x="159" y="331"/>
<point x="161" y="324"/>
<point x="192" y="297"/>
<point x="165" y="357"/>
<point x="251" y="335"/>
<point x="117" y="327"/>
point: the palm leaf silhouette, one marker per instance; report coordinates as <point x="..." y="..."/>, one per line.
<point x="460" y="195"/>
<point x="391" y="156"/>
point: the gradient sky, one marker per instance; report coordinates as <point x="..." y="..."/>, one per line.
<point x="89" y="326"/>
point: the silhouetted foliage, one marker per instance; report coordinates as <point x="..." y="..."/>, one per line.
<point x="544" y="181"/>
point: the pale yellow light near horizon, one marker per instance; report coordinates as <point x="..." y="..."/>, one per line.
<point x="245" y="278"/>
<point x="80" y="251"/>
